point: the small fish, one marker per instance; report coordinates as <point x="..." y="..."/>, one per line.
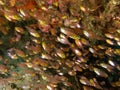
<point x="11" y="53"/>
<point x="62" y="39"/>
<point x="84" y="81"/>
<point x="68" y="84"/>
<point x="100" y="72"/>
<point x="111" y="63"/>
<point x="20" y="53"/>
<point x="46" y="56"/>
<point x="118" y="30"/>
<point x="117" y="83"/>
<point x="92" y="50"/>
<point x="3" y="69"/>
<point x="116" y="38"/>
<point x="69" y="33"/>
<point x="118" y="43"/>
<point x="83" y="9"/>
<point x="77" y="51"/>
<point x="37" y="41"/>
<point x="2" y="2"/>
<point x="29" y="65"/>
<point x="25" y="87"/>
<point x="72" y="72"/>
<point x="11" y="15"/>
<point x="84" y="41"/>
<point x="44" y="63"/>
<point x="110" y="42"/>
<point x="77" y="68"/>
<point x="79" y="43"/>
<point x="117" y="51"/>
<point x="94" y="83"/>
<point x="106" y="66"/>
<point x="110" y="36"/>
<point x="86" y="33"/>
<point x="46" y="46"/>
<point x="69" y="63"/>
<point x="20" y="30"/>
<point x="33" y="32"/>
<point x="60" y="53"/>
<point x="109" y="52"/>
<point x="101" y="46"/>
